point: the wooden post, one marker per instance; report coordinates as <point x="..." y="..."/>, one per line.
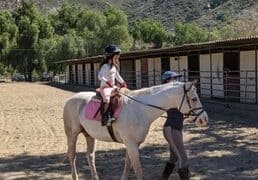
<point x="246" y="76"/>
<point x="211" y="76"/>
<point x="154" y="74"/>
<point x="256" y="75"/>
<point x="184" y="75"/>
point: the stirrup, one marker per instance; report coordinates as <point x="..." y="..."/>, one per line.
<point x="110" y="121"/>
<point x="104" y="120"/>
<point x="103" y="123"/>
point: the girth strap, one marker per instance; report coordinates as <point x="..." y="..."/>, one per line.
<point x="111" y="133"/>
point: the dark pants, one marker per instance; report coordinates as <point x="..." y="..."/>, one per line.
<point x="173" y="133"/>
<point x="176" y="145"/>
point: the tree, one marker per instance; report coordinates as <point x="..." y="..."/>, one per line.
<point x="190" y="33"/>
<point x="33" y="27"/>
<point x="8" y="33"/>
<point x="91" y="27"/>
<point x="240" y="28"/>
<point x="65" y="19"/>
<point x="70" y="46"/>
<point x="149" y="31"/>
<point x="116" y="29"/>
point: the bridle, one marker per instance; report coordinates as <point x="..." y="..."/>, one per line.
<point x="192" y="111"/>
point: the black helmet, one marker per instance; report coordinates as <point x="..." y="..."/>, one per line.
<point x="112" y="49"/>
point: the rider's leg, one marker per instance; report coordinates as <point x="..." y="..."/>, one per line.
<point x="105" y="93"/>
<point x="110" y="116"/>
<point x="183" y="170"/>
<point x="104" y="113"/>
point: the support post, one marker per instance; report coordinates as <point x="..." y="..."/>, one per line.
<point x="211" y="76"/>
<point x="256" y="75"/>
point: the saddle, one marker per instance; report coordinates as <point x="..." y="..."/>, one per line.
<point x="93" y="108"/>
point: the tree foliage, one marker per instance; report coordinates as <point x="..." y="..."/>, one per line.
<point x="8" y="33"/>
<point x="240" y="28"/>
<point x="32" y="28"/>
<point x="190" y="33"/>
<point x="31" y="41"/>
<point x="65" y="19"/>
<point x="149" y="31"/>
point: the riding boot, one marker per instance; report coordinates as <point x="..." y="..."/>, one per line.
<point x="110" y="116"/>
<point x="184" y="173"/>
<point x="104" y="114"/>
<point x="168" y="170"/>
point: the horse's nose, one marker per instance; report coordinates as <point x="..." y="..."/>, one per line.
<point x="202" y="121"/>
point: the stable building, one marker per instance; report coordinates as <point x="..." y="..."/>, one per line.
<point x="225" y="69"/>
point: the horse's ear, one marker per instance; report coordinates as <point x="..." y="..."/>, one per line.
<point x="189" y="85"/>
<point x="195" y="82"/>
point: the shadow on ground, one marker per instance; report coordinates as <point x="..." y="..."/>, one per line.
<point x="228" y="149"/>
<point x="215" y="154"/>
<point x="70" y="87"/>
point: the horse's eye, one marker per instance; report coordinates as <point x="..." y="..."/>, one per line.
<point x="194" y="99"/>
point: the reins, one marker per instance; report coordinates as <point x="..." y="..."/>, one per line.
<point x="146" y="104"/>
<point x="190" y="113"/>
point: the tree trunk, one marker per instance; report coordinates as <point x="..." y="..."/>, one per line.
<point x="30" y="76"/>
<point x="25" y="75"/>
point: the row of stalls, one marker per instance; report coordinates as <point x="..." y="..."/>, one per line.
<point x="225" y="69"/>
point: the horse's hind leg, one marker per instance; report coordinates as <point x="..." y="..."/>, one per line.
<point x="90" y="154"/>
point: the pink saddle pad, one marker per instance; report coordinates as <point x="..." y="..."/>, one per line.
<point x="92" y="110"/>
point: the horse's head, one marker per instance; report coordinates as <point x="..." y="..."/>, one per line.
<point x="191" y="106"/>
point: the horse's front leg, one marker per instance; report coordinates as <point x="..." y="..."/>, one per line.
<point x="133" y="153"/>
<point x="127" y="167"/>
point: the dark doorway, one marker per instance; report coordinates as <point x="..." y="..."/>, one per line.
<point x="194" y="69"/>
<point x="144" y="73"/>
<point x="91" y="74"/>
<point x="71" y="75"/>
<point x="128" y="72"/>
<point x="232" y="75"/>
<point x="165" y="64"/>
<point x="83" y="74"/>
<point x="76" y="73"/>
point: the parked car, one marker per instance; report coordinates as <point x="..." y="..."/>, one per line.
<point x="18" y="77"/>
<point x="45" y="77"/>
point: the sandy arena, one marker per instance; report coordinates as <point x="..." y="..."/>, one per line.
<point x="33" y="143"/>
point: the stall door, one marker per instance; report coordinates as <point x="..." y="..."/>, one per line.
<point x="128" y="72"/>
<point x="232" y="76"/>
<point x="194" y="69"/>
<point x="144" y="73"/>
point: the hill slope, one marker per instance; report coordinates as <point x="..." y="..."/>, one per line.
<point x="166" y="11"/>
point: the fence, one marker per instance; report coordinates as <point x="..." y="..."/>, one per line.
<point x="5" y="79"/>
<point x="239" y="86"/>
<point x="60" y="79"/>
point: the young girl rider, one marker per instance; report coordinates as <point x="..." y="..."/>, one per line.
<point x="108" y="75"/>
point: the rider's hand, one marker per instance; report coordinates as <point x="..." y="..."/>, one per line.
<point x="109" y="83"/>
<point x="123" y="85"/>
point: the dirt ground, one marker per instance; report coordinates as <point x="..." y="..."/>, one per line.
<point x="33" y="143"/>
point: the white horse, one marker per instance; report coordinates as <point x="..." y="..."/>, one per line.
<point x="133" y="124"/>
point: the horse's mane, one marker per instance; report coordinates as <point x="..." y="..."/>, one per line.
<point x="149" y="90"/>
